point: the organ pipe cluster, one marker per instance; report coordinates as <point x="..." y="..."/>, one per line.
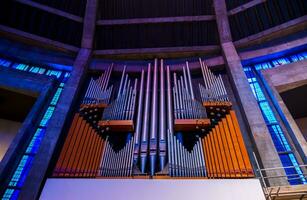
<point x="185" y="104"/>
<point x="214" y="89"/>
<point x="163" y="125"/>
<point x="117" y="164"/>
<point x="122" y="108"/>
<point x="98" y="91"/>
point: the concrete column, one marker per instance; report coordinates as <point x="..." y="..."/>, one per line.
<point x="37" y="174"/>
<point x="41" y="161"/>
<point x="263" y="141"/>
<point x="89" y="24"/>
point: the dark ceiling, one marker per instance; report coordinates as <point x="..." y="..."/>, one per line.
<point x="248" y="22"/>
<point x="295" y="101"/>
<point x="15" y="106"/>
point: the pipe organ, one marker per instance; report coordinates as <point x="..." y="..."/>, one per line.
<point x="161" y="121"/>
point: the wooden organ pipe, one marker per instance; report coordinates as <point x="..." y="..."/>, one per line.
<point x="225" y="153"/>
<point x="81" y="153"/>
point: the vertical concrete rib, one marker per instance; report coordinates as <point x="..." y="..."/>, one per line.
<point x="267" y="152"/>
<point x="36" y="175"/>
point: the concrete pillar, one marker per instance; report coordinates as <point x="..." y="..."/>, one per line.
<point x="263" y="141"/>
<point x="36" y="176"/>
<point x="89" y="24"/>
<point x="41" y="161"/>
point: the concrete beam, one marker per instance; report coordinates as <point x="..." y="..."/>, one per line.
<point x="32" y="39"/>
<point x="89" y="24"/>
<point x="157" y="52"/>
<point x="245" y="7"/>
<point x="38" y="171"/>
<point x="156" y="20"/>
<point x="51" y="10"/>
<point x="287" y="45"/>
<point x="287" y="28"/>
<point x="260" y="133"/>
<point x="289" y="76"/>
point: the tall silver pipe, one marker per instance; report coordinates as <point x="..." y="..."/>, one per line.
<point x="103" y="77"/>
<point x="121" y="81"/>
<point x="178" y="101"/>
<point x="108" y="78"/>
<point x="133" y="99"/>
<point x="162" y="118"/>
<point x="107" y="160"/>
<point x="183" y="97"/>
<point x="170" y="118"/>
<point x="202" y="156"/>
<point x="102" y="161"/>
<point x="144" y="143"/>
<point x="127" y="106"/>
<point x="185" y="79"/>
<point x="137" y="133"/>
<point x="190" y="81"/>
<point x="154" y="120"/>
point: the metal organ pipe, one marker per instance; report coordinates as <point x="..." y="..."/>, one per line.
<point x="162" y="118"/>
<point x="190" y="81"/>
<point x="144" y="143"/>
<point x="137" y="133"/>
<point x="170" y="121"/>
<point x="154" y="120"/>
<point x="121" y="81"/>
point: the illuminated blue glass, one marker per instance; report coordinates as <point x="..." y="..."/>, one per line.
<point x="280" y="61"/>
<point x="19" y="66"/>
<point x="22" y="170"/>
<point x="4" y="63"/>
<point x="47" y="116"/>
<point x="56" y="96"/>
<point x="268" y="113"/>
<point x="295" y="175"/>
<point x="261" y="66"/>
<point x="25" y="163"/>
<point x="54" y="73"/>
<point x="10" y="194"/>
<point x="35" y="141"/>
<point x="37" y="70"/>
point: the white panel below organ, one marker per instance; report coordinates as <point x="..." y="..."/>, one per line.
<point x="154" y="189"/>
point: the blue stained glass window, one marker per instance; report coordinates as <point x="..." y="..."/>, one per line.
<point x="56" y="96"/>
<point x="5" y="63"/>
<point x="10" y="194"/>
<point x="54" y="73"/>
<point x="22" y="67"/>
<point x="35" y="142"/>
<point x="47" y="116"/>
<point x="24" y="164"/>
<point x="280" y="61"/>
<point x="37" y="70"/>
<point x="261" y="66"/>
<point x="268" y="113"/>
<point x="295" y="175"/>
<point x="21" y="172"/>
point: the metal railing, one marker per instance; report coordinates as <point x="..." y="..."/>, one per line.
<point x="268" y="191"/>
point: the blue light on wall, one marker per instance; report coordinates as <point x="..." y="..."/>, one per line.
<point x="24" y="164"/>
<point x="295" y="175"/>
